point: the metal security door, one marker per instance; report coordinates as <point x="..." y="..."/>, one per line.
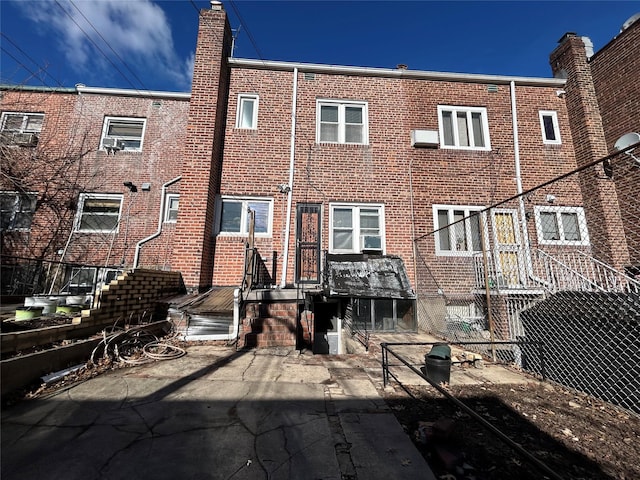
<point x="308" y="243"/>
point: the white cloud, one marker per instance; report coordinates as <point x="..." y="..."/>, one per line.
<point x="90" y="31"/>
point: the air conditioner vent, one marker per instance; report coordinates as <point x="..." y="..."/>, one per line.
<point x="424" y="138"/>
<point x="113" y="144"/>
<point x="25" y="139"/>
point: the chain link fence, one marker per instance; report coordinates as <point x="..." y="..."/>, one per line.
<point x="559" y="265"/>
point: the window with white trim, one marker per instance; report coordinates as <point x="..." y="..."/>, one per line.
<point x="356" y="228"/>
<point x="342" y="122"/>
<point x="561" y="225"/>
<point x="247" y="114"/>
<point x="22" y="122"/>
<point x="98" y="212"/>
<point x="123" y="133"/>
<point x="550" y="127"/>
<point x="21" y="128"/>
<point x="458" y="230"/>
<point x="234" y="215"/>
<point x="171" y="209"/>
<point x="16" y="211"/>
<point x="463" y="127"/>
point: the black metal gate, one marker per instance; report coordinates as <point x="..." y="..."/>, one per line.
<point x="308" y="243"/>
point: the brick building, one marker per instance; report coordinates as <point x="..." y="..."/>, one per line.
<point x="327" y="173"/>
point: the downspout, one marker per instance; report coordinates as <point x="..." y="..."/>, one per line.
<point x="287" y="233"/>
<point x="523" y="218"/>
<point x="163" y="200"/>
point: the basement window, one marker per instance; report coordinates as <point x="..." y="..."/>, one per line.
<point x="384" y="314"/>
<point x="98" y="213"/>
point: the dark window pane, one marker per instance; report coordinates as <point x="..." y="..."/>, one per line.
<point x="549" y="131"/>
<point x="231" y="216"/>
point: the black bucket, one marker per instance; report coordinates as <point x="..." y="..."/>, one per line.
<point x="437" y="363"/>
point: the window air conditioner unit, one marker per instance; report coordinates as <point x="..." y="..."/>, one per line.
<point x="25" y="139"/>
<point x="424" y="138"/>
<point x="112" y="144"/>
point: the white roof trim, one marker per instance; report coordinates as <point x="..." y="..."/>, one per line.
<point x="132" y="93"/>
<point x="397" y="73"/>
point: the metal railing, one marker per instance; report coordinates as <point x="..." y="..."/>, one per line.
<point x="558" y="264"/>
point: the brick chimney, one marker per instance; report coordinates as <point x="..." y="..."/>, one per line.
<point x="570" y="60"/>
<point x="194" y="242"/>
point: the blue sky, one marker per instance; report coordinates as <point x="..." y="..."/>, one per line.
<point x="145" y="44"/>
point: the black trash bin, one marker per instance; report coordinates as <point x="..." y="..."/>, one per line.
<point x="437" y="363"/>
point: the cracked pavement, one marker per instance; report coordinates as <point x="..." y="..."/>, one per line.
<point x="215" y="414"/>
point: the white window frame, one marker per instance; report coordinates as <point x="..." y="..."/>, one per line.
<point x="468" y="111"/>
<point x="243" y="99"/>
<point x="167" y="211"/>
<point x="245" y="201"/>
<point x="357" y="238"/>
<point x="468" y="211"/>
<point x="24" y="126"/>
<point x="556" y="127"/>
<point x="18" y="208"/>
<point x="97" y="196"/>
<point x="105" y="130"/>
<point x="582" y="225"/>
<point x="342" y="104"/>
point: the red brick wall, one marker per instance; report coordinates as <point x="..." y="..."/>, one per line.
<point x="72" y="131"/>
<point x="388" y="170"/>
<point x="615" y="70"/>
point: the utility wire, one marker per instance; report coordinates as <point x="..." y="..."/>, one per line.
<point x="35" y="75"/>
<point x="58" y="82"/>
<point x="195" y="7"/>
<point x="244" y="24"/>
<point x="97" y="47"/>
<point x="107" y="43"/>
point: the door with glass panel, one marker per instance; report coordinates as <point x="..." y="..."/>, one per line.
<point x="509" y="265"/>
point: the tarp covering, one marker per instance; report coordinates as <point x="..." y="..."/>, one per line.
<point x="367" y="276"/>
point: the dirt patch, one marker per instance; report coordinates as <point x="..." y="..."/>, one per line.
<point x="574" y="435"/>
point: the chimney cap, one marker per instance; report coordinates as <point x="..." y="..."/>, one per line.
<point x="566" y="36"/>
<point x="402" y="66"/>
<point x="216" y="5"/>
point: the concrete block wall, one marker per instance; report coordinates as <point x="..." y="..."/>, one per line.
<point x="132" y="297"/>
